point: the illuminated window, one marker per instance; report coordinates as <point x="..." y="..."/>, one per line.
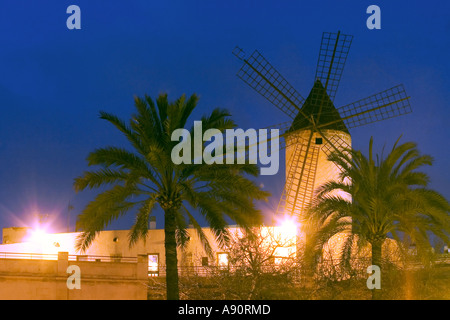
<point x="153" y="265"/>
<point x="222" y="260"/>
<point x="282" y="252"/>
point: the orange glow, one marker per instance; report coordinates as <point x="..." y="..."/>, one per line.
<point x="288" y="227"/>
<point x="222" y="260"/>
<point x="285" y="236"/>
<point x="43" y="242"/>
<point x="37" y="236"/>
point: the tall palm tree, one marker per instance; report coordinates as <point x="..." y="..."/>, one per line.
<point x="146" y="176"/>
<point x="388" y="196"/>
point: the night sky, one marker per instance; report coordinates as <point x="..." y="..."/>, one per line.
<point x="54" y="81"/>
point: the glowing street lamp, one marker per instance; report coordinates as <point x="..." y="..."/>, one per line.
<point x="288" y="227"/>
<point x="285" y="236"/>
<point x="38" y="236"/>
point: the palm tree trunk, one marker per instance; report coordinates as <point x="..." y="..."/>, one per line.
<point x="171" y="255"/>
<point x="376" y="260"/>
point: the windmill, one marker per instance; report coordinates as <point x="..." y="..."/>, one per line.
<point x="317" y="127"/>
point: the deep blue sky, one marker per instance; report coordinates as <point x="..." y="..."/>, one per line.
<point x="54" y="81"/>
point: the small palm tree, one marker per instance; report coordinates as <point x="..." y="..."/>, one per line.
<point x="147" y="176"/>
<point x="388" y="197"/>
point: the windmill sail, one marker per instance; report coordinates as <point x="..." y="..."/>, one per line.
<point x="381" y="106"/>
<point x="333" y="54"/>
<point x="299" y="188"/>
<point x="259" y="74"/>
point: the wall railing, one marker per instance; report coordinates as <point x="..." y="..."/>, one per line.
<point x="46" y="256"/>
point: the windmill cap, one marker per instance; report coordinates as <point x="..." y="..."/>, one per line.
<point x="317" y="99"/>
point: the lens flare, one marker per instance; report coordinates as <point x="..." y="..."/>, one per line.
<point x="288" y="226"/>
<point x="38" y="236"/>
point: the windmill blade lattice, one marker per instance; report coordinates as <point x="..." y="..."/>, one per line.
<point x="299" y="187"/>
<point x="333" y="54"/>
<point x="259" y="74"/>
<point x="381" y="106"/>
<point x="283" y="130"/>
<point x="335" y="141"/>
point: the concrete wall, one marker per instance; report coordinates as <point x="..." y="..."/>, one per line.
<point x="26" y="279"/>
<point x="114" y="243"/>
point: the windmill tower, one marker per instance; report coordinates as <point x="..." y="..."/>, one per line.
<point x="307" y="151"/>
<point x="317" y="128"/>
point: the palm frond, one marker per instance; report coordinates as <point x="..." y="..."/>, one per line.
<point x="95" y="179"/>
<point x="129" y="134"/>
<point x="139" y="230"/>
<point x="201" y="235"/>
<point x="387" y="196"/>
<point x="107" y="206"/>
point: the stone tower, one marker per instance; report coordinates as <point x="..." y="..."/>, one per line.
<point x="307" y="168"/>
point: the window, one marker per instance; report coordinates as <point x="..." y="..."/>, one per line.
<point x="319" y="141"/>
<point x="153" y="265"/>
<point x="222" y="260"/>
<point x="204" y="261"/>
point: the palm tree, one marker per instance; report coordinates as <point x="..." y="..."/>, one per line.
<point x="388" y="196"/>
<point x="146" y="177"/>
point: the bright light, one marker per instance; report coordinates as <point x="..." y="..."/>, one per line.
<point x="38" y="236"/>
<point x="284" y="236"/>
<point x="39" y="233"/>
<point x="288" y="227"/>
<point x="43" y="242"/>
<point x="222" y="260"/>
